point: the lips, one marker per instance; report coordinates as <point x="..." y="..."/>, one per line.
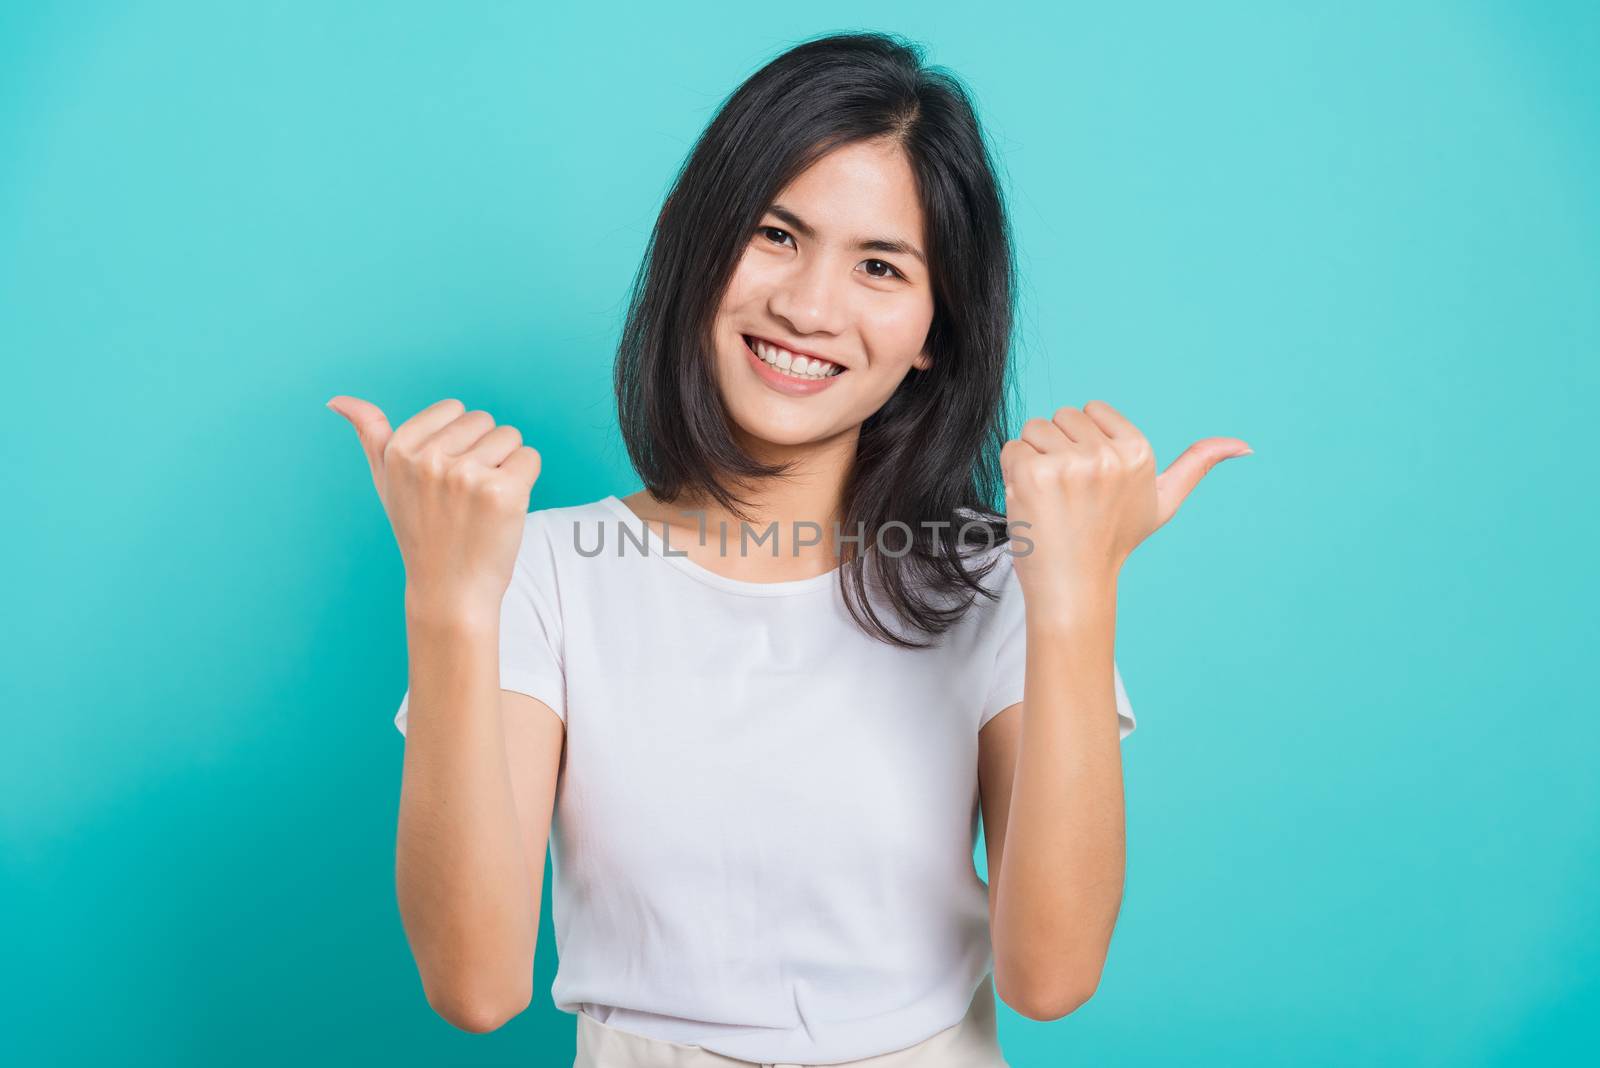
<point x="785" y="382"/>
<point x="751" y="339"/>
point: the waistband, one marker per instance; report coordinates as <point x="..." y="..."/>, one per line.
<point x="971" y="1042"/>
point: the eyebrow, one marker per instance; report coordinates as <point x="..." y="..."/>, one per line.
<point x="873" y="244"/>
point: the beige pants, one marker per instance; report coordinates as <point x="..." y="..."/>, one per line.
<point x="972" y="1042"/>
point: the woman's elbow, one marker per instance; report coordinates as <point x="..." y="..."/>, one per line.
<point x="1045" y="1002"/>
<point x="480" y="1013"/>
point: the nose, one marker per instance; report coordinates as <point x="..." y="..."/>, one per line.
<point x="810" y="298"/>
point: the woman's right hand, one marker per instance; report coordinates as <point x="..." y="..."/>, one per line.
<point x="455" y="488"/>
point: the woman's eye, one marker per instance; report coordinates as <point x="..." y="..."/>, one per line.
<point x="888" y="266"/>
<point x="768" y="231"/>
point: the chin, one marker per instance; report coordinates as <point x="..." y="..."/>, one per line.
<point x="774" y="429"/>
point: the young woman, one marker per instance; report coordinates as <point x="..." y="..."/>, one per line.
<point x="766" y="698"/>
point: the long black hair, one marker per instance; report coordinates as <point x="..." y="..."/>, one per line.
<point x="931" y="454"/>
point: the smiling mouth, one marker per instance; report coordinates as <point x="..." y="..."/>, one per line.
<point x="802" y="368"/>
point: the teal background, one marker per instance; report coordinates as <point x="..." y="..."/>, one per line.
<point x="1362" y="800"/>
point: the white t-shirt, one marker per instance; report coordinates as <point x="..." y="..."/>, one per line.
<point x="764" y="832"/>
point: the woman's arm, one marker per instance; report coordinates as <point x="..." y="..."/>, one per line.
<point x="478" y="785"/>
<point x="1083" y="486"/>
<point x="476" y="796"/>
<point x="1051" y="774"/>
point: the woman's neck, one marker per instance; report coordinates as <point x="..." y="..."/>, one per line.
<point x="813" y="493"/>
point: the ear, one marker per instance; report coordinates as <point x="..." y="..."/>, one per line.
<point x="922" y="361"/>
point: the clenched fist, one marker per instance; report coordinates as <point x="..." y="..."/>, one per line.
<point x="455" y="488"/>
<point x="1084" y="482"/>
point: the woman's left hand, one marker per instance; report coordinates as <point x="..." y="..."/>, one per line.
<point x="1084" y="482"/>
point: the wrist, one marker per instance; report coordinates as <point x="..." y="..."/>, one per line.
<point x="1071" y="602"/>
<point x="447" y="611"/>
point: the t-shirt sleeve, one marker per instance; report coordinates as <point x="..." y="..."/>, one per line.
<point x="1011" y="658"/>
<point x="530" y="627"/>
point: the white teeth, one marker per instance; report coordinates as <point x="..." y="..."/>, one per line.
<point x="792" y="365"/>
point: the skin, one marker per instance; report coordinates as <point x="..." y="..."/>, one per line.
<point x="481" y="765"/>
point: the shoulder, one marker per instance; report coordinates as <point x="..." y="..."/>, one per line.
<point x="997" y="611"/>
<point x="989" y="556"/>
<point x="545" y="569"/>
<point x="993" y="593"/>
<point x="556" y="524"/>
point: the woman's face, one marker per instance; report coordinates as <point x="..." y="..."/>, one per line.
<point x="834" y="269"/>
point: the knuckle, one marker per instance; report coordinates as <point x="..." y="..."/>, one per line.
<point x="465" y="474"/>
<point x="509" y="496"/>
<point x="491" y="490"/>
<point x="432" y="464"/>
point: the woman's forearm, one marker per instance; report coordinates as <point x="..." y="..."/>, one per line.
<point x="463" y="886"/>
<point x="1060" y="887"/>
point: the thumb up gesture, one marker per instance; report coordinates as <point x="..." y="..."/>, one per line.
<point x="455" y="487"/>
<point x="1083" y="486"/>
